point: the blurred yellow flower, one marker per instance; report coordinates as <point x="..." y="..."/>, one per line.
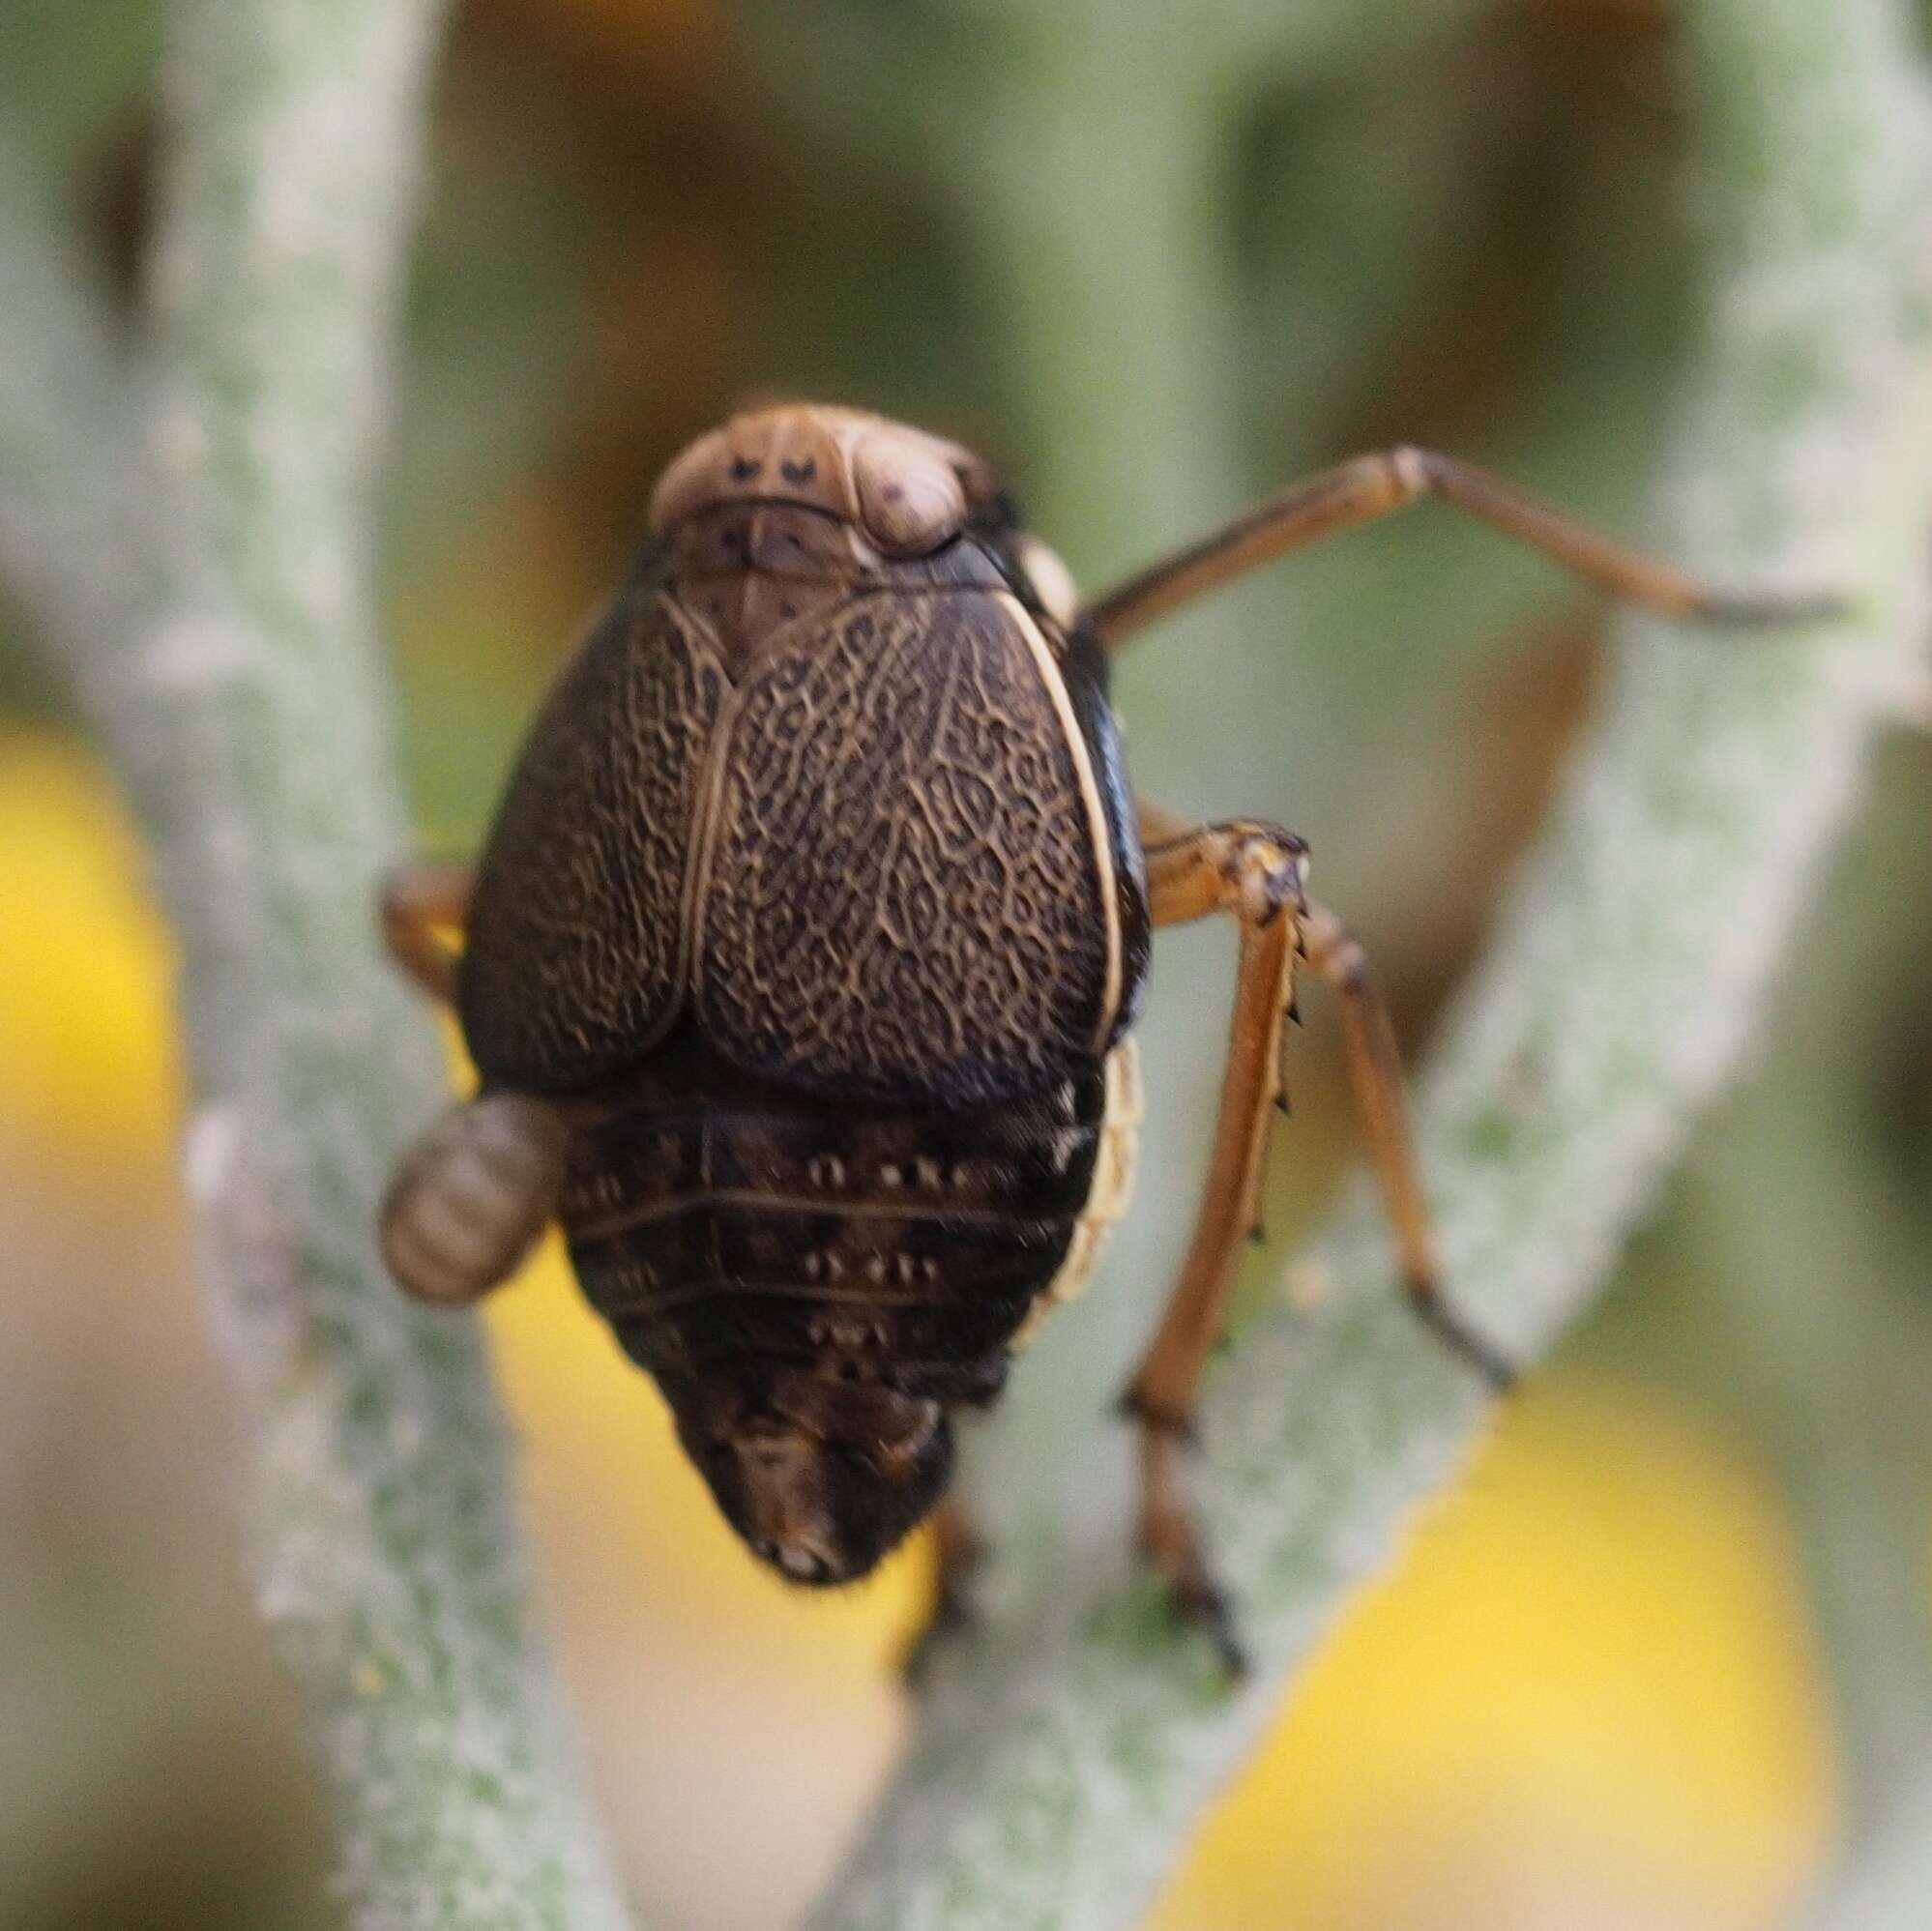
<point x="87" y="1052"/>
<point x="1595" y="1646"/>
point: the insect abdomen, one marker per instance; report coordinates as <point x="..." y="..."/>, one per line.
<point x="728" y="1229"/>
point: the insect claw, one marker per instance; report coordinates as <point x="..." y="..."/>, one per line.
<point x="953" y="1619"/>
<point x="1198" y="1604"/>
<point x="1281" y="1106"/>
<point x="1467" y="1345"/>
<point x="1748" y="609"/>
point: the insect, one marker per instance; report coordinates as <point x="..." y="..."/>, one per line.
<point x="802" y="964"/>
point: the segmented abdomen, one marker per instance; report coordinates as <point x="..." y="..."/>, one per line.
<point x="725" y="1228"/>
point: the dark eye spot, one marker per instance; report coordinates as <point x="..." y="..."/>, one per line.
<point x="798" y="471"/>
<point x="744" y="469"/>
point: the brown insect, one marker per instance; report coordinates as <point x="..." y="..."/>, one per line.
<point x="802" y="964"/>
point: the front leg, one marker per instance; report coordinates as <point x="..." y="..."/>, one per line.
<point x="1375" y="1071"/>
<point x="1373" y="487"/>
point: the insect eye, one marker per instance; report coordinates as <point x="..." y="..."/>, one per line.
<point x="910" y="499"/>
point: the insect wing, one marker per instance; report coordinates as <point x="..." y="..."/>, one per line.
<point x="577" y="958"/>
<point x="908" y="893"/>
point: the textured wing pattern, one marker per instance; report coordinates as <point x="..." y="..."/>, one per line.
<point x="576" y="958"/>
<point x="905" y="895"/>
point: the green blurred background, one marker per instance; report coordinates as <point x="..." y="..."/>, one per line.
<point x="1665" y="1655"/>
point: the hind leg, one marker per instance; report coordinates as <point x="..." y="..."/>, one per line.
<point x="471" y="1196"/>
<point x="958" y="1548"/>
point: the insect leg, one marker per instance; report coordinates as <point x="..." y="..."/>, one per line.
<point x="1375" y="1070"/>
<point x="959" y="1548"/>
<point x="1252" y="872"/>
<point x="472" y="1195"/>
<point x="422" y="904"/>
<point x="1372" y="486"/>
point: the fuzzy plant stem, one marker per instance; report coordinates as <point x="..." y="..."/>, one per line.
<point x="1069" y="1754"/>
<point x="1886" y="1887"/>
<point x="194" y="536"/>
